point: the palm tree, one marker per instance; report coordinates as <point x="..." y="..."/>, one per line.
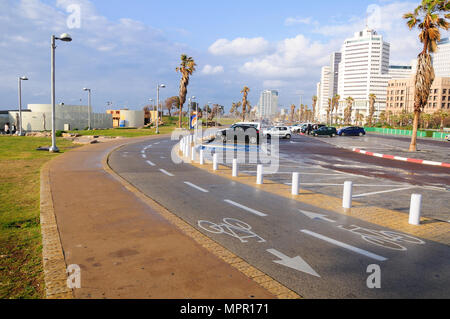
<point x="348" y="110"/>
<point x="244" y="91"/>
<point x="372" y="100"/>
<point x="330" y="108"/>
<point x="314" y="104"/>
<point x="335" y="106"/>
<point x="428" y="19"/>
<point x="186" y="68"/>
<point x="235" y="109"/>
<point x="442" y="116"/>
<point x="292" y="112"/>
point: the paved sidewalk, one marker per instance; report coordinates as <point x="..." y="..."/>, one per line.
<point x="125" y="248"/>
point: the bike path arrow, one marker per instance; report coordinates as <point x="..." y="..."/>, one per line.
<point x="296" y="263"/>
<point x="316" y="216"/>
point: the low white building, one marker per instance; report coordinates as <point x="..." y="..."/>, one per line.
<point x="38" y="117"/>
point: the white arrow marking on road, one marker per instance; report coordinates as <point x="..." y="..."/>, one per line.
<point x="296" y="263"/>
<point x="316" y="216"/>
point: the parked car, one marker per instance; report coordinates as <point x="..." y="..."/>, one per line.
<point x="325" y="130"/>
<point x="313" y="127"/>
<point x="278" y="131"/>
<point x="352" y="131"/>
<point x="239" y="133"/>
<point x="257" y="125"/>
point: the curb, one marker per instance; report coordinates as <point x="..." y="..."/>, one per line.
<point x="54" y="264"/>
<point x="263" y="280"/>
<point x="398" y="158"/>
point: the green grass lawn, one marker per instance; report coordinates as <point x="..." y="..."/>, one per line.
<point x="21" y="273"/>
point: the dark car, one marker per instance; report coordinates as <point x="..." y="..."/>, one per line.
<point x="325" y="130"/>
<point x="352" y="131"/>
<point x="239" y="133"/>
<point x="313" y="127"/>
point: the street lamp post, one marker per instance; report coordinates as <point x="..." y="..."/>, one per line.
<point x="89" y="107"/>
<point x="23" y="78"/>
<point x="162" y="86"/>
<point x="65" y="38"/>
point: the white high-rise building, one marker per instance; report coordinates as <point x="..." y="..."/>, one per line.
<point x="316" y="115"/>
<point x="324" y="93"/>
<point x="335" y="59"/>
<point x="441" y="59"/>
<point x="364" y="70"/>
<point x="268" y="104"/>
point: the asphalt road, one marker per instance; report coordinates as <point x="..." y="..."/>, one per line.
<point x="325" y="166"/>
<point x="321" y="257"/>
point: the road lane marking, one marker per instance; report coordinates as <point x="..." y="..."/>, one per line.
<point x="197" y="187"/>
<point x="250" y="210"/>
<point x="151" y="163"/>
<point x="144" y="156"/>
<point x="166" y="172"/>
<point x="382" y="192"/>
<point x="316" y="216"/>
<point x="157" y="143"/>
<point x="296" y="263"/>
<point x="345" y="246"/>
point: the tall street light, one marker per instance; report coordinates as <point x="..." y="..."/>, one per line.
<point x="65" y="38"/>
<point x="160" y="86"/>
<point x="23" y="78"/>
<point x="89" y="107"/>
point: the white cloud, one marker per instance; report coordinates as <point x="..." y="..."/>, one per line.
<point x="293" y="58"/>
<point x="239" y="47"/>
<point x="295" y="21"/>
<point x="211" y="70"/>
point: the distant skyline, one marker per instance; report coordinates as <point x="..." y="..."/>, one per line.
<point x="124" y="48"/>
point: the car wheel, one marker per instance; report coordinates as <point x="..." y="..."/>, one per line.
<point x="253" y="140"/>
<point x="343" y="134"/>
<point x="315" y="134"/>
<point x="223" y="138"/>
<point x="288" y="136"/>
<point x="333" y="135"/>
<point x="361" y="134"/>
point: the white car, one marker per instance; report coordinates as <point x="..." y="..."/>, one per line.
<point x="278" y="131"/>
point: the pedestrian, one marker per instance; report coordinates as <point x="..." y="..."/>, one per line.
<point x="13" y="129"/>
<point x="6" y="128"/>
<point x="309" y="129"/>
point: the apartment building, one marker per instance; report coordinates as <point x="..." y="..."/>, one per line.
<point x="441" y="59"/>
<point x="268" y="104"/>
<point x="400" y="96"/>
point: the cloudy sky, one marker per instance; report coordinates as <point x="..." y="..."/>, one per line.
<point x="122" y="49"/>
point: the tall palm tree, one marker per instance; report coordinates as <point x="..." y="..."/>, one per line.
<point x="335" y="106"/>
<point x="314" y="104"/>
<point x="349" y="109"/>
<point x="186" y="68"/>
<point x="330" y="108"/>
<point x="372" y="100"/>
<point x="428" y="17"/>
<point x="292" y="112"/>
<point x="244" y="91"/>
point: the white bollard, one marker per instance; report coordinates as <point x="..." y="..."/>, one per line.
<point x="215" y="162"/>
<point x="193" y="154"/>
<point x="235" y="167"/>
<point x="259" y="175"/>
<point x="414" y="211"/>
<point x="295" y="183"/>
<point x="202" y="158"/>
<point x="348" y="195"/>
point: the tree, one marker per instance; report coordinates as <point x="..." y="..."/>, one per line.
<point x="330" y="108"/>
<point x="383" y="117"/>
<point x="349" y="109"/>
<point x="186" y="68"/>
<point x="235" y="109"/>
<point x="171" y="103"/>
<point x="334" y="107"/>
<point x="372" y="100"/>
<point x="443" y="115"/>
<point x="314" y="104"/>
<point x="292" y="112"/>
<point x="244" y="91"/>
<point x="428" y="17"/>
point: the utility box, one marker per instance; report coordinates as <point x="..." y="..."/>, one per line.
<point x="66" y="127"/>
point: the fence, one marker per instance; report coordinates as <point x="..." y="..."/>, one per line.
<point x="392" y="131"/>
